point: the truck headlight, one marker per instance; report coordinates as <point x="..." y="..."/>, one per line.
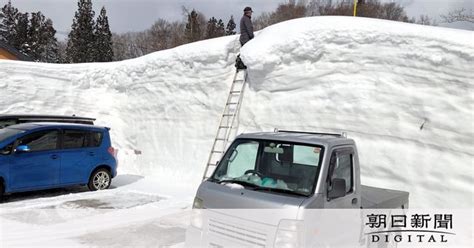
<point x="289" y="233"/>
<point x="197" y="218"/>
<point x="198" y="203"/>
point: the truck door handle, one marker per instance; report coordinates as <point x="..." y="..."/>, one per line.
<point x="354" y="201"/>
<point x="54" y="156"/>
<point x="91" y="153"/>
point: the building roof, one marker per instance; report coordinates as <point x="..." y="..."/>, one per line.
<point x="14" y="51"/>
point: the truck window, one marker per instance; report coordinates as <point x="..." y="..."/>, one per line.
<point x="343" y="168"/>
<point x="242" y="158"/>
<point x="306" y="155"/>
<point x="271" y="164"/>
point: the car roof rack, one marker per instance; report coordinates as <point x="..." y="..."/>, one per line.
<point x="45" y="117"/>
<point x="342" y="134"/>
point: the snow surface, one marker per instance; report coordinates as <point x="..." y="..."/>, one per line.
<point x="402" y="91"/>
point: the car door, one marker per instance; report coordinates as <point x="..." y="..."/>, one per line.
<point x="342" y="166"/>
<point x="78" y="153"/>
<point x="38" y="167"/>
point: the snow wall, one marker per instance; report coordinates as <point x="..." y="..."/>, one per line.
<point x="404" y="92"/>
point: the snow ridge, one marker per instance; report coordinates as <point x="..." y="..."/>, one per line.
<point x="402" y="91"/>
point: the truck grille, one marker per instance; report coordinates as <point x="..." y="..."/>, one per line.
<point x="237" y="233"/>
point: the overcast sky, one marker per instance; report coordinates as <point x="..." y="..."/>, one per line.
<point x="137" y="15"/>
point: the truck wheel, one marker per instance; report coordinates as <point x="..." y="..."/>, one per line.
<point x="100" y="180"/>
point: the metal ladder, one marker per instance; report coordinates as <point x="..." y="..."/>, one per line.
<point x="228" y="123"/>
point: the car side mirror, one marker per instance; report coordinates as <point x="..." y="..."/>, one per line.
<point x="338" y="188"/>
<point x="22" y="149"/>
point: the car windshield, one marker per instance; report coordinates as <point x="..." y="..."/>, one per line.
<point x="6" y="133"/>
<point x="271" y="165"/>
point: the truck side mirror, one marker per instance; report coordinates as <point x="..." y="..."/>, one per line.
<point x="338" y="188"/>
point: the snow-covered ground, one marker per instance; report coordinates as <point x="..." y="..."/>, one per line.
<point x="135" y="212"/>
<point x="402" y="91"/>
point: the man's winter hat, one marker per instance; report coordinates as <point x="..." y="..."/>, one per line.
<point x="248" y="9"/>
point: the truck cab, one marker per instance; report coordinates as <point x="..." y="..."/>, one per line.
<point x="292" y="169"/>
<point x="290" y="173"/>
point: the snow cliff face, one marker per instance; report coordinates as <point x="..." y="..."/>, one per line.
<point x="402" y="91"/>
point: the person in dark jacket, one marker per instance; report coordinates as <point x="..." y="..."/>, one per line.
<point x="246" y="26"/>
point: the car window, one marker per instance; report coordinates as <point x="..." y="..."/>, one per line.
<point x="343" y="168"/>
<point x="74" y="139"/>
<point x="95" y="139"/>
<point x="6" y="150"/>
<point x="6" y="133"/>
<point x="41" y="141"/>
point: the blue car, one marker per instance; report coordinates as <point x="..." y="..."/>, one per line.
<point x="36" y="156"/>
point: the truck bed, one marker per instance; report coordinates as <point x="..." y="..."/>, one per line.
<point x="373" y="197"/>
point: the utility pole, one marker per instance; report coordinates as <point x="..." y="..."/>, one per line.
<point x="355" y="7"/>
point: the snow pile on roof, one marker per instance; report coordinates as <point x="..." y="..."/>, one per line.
<point x="402" y="91"/>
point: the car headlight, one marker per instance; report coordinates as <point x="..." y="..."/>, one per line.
<point x="289" y="233"/>
<point x="198" y="203"/>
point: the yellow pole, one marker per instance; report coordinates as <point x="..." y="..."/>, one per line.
<point x="355" y="7"/>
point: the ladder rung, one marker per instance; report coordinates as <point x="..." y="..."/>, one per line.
<point x="236" y="90"/>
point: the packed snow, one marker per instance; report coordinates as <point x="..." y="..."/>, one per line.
<point x="402" y="91"/>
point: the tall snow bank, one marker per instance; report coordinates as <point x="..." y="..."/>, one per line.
<point x="162" y="108"/>
<point x="402" y="91"/>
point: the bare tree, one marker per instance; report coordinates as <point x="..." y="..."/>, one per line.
<point x="177" y="30"/>
<point x="318" y="7"/>
<point x="195" y="25"/>
<point x="286" y="11"/>
<point x="426" y="20"/>
<point x="458" y="15"/>
<point x="365" y="8"/>
<point x="159" y="35"/>
<point x="126" y="46"/>
<point x="393" y="11"/>
<point x="262" y="21"/>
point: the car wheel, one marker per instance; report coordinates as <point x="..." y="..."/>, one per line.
<point x="2" y="191"/>
<point x="100" y="180"/>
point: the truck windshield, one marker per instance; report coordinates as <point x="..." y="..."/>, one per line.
<point x="271" y="164"/>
